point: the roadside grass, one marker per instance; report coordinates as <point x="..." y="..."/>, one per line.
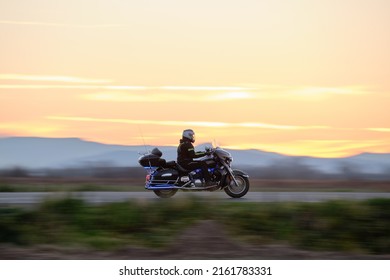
<point x="68" y="187"/>
<point x="354" y="226"/>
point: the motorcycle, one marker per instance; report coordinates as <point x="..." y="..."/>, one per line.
<point x="165" y="178"/>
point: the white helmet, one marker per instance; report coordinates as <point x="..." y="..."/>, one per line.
<point x="189" y="134"/>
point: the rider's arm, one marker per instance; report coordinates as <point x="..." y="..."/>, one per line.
<point x="193" y="154"/>
<point x="199" y="154"/>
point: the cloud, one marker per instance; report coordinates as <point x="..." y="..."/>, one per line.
<point x="89" y="87"/>
<point x="216" y="93"/>
<point x="107" y="91"/>
<point x="112" y="92"/>
<point x="205" y="88"/>
<point x="136" y="97"/>
<point x="282" y="127"/>
<point x="320" y="91"/>
<point x="30" y="127"/>
<point x="75" y="86"/>
<point x="127" y="88"/>
<point x="308" y="93"/>
<point x="379" y="129"/>
<point x="342" y="147"/>
<point x="159" y="95"/>
<point x="145" y="122"/>
<point x="54" y="24"/>
<point x="41" y="78"/>
<point x="187" y="123"/>
<point x="232" y="96"/>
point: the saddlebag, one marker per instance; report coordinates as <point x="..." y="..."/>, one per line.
<point x="164" y="177"/>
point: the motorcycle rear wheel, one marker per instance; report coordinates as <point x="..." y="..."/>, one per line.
<point x="165" y="193"/>
<point x="237" y="191"/>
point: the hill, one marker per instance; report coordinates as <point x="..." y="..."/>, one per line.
<point x="39" y="153"/>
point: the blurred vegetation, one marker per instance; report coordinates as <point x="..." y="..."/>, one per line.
<point x="335" y="225"/>
<point x="288" y="169"/>
<point x="356" y="226"/>
<point x="69" y="186"/>
<point x="135" y="185"/>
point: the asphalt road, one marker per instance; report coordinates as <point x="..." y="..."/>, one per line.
<point x="31" y="198"/>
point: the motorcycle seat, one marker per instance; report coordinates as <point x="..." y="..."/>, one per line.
<point x="182" y="169"/>
<point x="171" y="164"/>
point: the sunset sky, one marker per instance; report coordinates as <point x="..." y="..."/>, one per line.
<point x="302" y="77"/>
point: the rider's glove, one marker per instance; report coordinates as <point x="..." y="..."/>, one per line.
<point x="208" y="151"/>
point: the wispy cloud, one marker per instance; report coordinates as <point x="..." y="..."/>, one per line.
<point x="206" y="88"/>
<point x="123" y="88"/>
<point x="282" y="127"/>
<point x="159" y="95"/>
<point x="146" y="122"/>
<point x="379" y="129"/>
<point x="31" y="128"/>
<point x="32" y="87"/>
<point x="309" y="93"/>
<point x="117" y="93"/>
<point x="219" y="93"/>
<point x="341" y="147"/>
<point x="216" y="93"/>
<point x="111" y="92"/>
<point x="149" y="96"/>
<point x="43" y="78"/>
<point x="108" y="91"/>
<point x="321" y="91"/>
<point x="56" y="24"/>
<point x="232" y="96"/>
<point x="187" y="123"/>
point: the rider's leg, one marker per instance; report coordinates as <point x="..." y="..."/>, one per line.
<point x="202" y="165"/>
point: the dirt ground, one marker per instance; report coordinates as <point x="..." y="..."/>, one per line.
<point x="204" y="240"/>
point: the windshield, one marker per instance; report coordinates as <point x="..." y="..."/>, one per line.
<point x="215" y="144"/>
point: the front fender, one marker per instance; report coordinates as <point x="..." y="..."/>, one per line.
<point x="239" y="172"/>
<point x="226" y="178"/>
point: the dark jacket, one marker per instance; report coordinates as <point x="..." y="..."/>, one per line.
<point x="186" y="152"/>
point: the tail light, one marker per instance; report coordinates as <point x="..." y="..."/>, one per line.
<point x="147" y="178"/>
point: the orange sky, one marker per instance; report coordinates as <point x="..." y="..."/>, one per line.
<point x="305" y="77"/>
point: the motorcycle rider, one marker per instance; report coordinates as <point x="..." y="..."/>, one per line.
<point x="186" y="154"/>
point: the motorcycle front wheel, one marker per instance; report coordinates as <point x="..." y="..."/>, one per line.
<point x="165" y="193"/>
<point x="239" y="190"/>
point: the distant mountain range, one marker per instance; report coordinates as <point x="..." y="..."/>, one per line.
<point x="52" y="153"/>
